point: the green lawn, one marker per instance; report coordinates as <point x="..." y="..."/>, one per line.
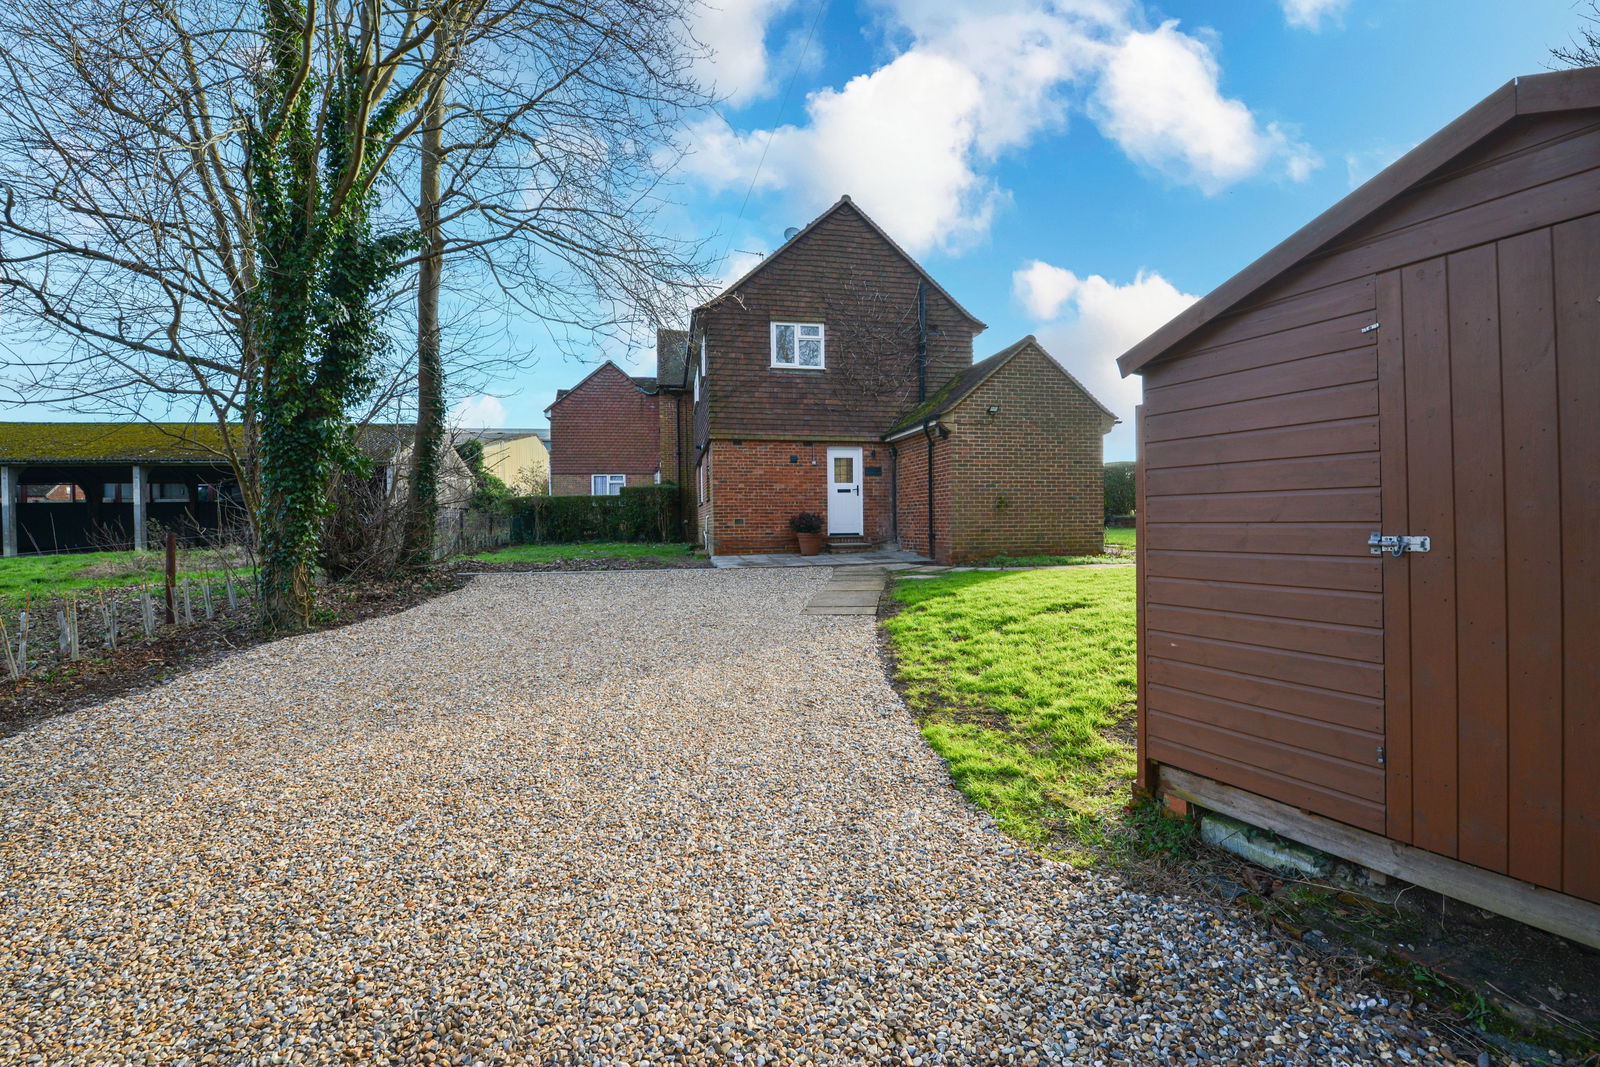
<point x="588" y="550"/>
<point x="22" y="576"/>
<point x="1120" y="535"/>
<point x="1046" y="561"/>
<point x="1025" y="684"/>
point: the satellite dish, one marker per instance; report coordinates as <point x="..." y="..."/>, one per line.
<point x="789" y="234"/>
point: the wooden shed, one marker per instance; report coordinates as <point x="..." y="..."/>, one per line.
<point x="1420" y="361"/>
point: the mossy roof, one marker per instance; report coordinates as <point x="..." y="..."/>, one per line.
<point x="144" y="442"/>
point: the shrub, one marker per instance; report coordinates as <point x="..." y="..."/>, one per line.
<point x="806" y="522"/>
<point x="1121" y="495"/>
<point x="639" y="513"/>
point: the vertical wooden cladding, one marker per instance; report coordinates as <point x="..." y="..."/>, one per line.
<point x="1262" y="609"/>
<point x="1575" y="254"/>
<point x="1470" y="414"/>
<point x="1490" y="630"/>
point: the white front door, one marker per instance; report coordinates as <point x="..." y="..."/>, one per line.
<point x="845" y="509"/>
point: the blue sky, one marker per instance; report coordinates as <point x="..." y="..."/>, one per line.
<point x="1076" y="170"/>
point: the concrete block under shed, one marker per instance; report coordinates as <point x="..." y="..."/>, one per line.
<point x="1263" y="847"/>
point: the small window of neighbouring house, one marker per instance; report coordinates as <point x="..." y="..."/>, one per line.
<point x="169" y="493"/>
<point x="606" y="484"/>
<point x="798" y="345"/>
<point x="61" y="493"/>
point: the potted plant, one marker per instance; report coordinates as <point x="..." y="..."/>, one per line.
<point x="807" y="527"/>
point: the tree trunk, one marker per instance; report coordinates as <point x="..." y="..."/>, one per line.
<point x="423" y="506"/>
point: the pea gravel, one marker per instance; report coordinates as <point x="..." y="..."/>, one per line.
<point x="591" y="819"/>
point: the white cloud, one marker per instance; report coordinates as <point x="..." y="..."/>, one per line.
<point x="739" y="66"/>
<point x="915" y="140"/>
<point x="1308" y="14"/>
<point x="1160" y="101"/>
<point x="1044" y="288"/>
<point x="478" y="413"/>
<point x="1359" y="166"/>
<point x="1092" y="321"/>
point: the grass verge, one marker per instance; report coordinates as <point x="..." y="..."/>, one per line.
<point x="24" y="576"/>
<point x="1120" y="535"/>
<point x="1025" y="684"/>
<point x="587" y="550"/>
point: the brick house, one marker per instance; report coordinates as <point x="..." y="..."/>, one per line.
<point x="828" y="379"/>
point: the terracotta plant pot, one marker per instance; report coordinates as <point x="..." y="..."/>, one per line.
<point x="810" y="543"/>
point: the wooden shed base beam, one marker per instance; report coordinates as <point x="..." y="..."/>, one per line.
<point x="1558" y="913"/>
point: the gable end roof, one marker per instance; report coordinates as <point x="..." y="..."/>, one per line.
<point x="838" y="206"/>
<point x="957" y="389"/>
<point x="1537" y="94"/>
<point x="644" y="385"/>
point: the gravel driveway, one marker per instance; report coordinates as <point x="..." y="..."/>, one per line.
<point x="587" y="818"/>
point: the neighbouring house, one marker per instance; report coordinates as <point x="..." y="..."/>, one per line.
<point x="837" y="377"/>
<point x="518" y="457"/>
<point x="67" y="486"/>
<point x="614" y="429"/>
<point x="1369" y="521"/>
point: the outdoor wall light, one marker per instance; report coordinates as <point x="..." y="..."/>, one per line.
<point x="994" y="409"/>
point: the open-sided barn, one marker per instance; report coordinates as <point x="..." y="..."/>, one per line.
<point x="1370" y="520"/>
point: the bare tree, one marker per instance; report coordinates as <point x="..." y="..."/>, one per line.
<point x="198" y="207"/>
<point x="542" y="186"/>
<point x="1584" y="48"/>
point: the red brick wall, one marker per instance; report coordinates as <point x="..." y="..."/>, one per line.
<point x="1028" y="479"/>
<point x="755" y="489"/>
<point x="580" y="485"/>
<point x="604" y="426"/>
<point x="911" y="497"/>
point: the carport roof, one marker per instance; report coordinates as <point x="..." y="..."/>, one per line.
<point x="171" y="443"/>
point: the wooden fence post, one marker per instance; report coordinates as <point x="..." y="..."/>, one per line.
<point x="172" y="574"/>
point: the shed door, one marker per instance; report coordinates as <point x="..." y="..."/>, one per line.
<point x="1489" y="385"/>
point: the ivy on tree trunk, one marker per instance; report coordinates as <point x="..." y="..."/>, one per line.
<point x="321" y="269"/>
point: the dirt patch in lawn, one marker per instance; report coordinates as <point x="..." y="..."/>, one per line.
<point x="138" y="664"/>
<point x="618" y="563"/>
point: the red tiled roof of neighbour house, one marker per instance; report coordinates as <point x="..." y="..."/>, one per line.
<point x="961" y="386"/>
<point x="839" y="205"/>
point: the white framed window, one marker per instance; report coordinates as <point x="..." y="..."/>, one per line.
<point x="798" y="345"/>
<point x="606" y="484"/>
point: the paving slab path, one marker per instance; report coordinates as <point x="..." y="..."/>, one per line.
<point x="589" y="818"/>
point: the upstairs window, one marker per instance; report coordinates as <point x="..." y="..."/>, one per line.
<point x="607" y="484"/>
<point x="798" y="345"/>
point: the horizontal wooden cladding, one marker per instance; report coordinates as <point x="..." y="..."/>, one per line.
<point x="1323" y="639"/>
<point x="1279" y="442"/>
<point x="1302" y="668"/>
<point x="1313" y="372"/>
<point x="1533" y="156"/>
<point x="1293" y="409"/>
<point x="1340" y="607"/>
<point x="1310" y="472"/>
<point x="1350" y="710"/>
<point x="1361" y="574"/>
<point x="1308" y="764"/>
<point x="1334" y="301"/>
<point x="1518" y="212"/>
<point x="1334" y="740"/>
<point x="1302" y="342"/>
<point x="1307" y="505"/>
<point x="1303" y="538"/>
<point x="1357" y="811"/>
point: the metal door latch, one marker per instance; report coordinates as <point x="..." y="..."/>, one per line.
<point x="1397" y="544"/>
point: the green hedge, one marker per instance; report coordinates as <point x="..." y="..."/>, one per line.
<point x="639" y="513"/>
<point x="1121" y="498"/>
